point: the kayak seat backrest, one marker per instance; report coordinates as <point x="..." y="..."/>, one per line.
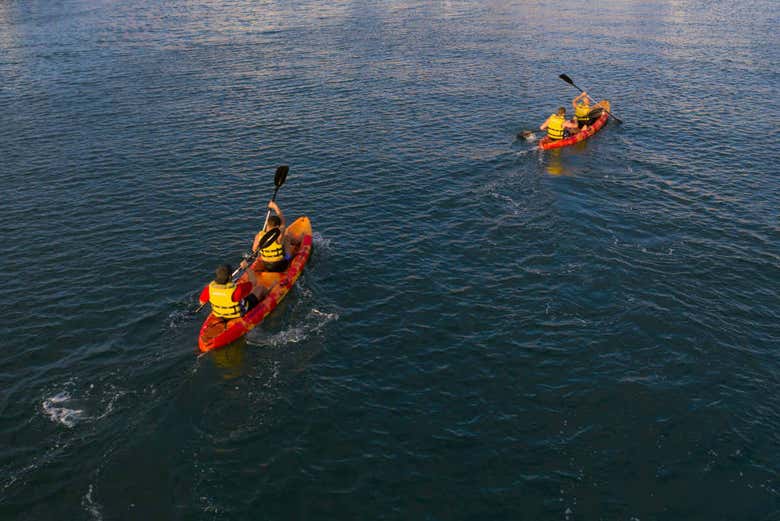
<point x="595" y="113"/>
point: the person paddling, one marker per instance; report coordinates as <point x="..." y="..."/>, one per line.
<point x="230" y="300"/>
<point x="581" y="105"/>
<point x="557" y="125"/>
<point x="273" y="256"/>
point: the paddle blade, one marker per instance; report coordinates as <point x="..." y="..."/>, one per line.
<point x="595" y="113"/>
<point x="566" y="79"/>
<point x="281" y="175"/>
<point x="269" y="237"/>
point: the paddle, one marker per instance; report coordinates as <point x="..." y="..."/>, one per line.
<point x="528" y="135"/>
<point x="279" y="177"/>
<point x="269" y="237"/>
<point x="266" y="240"/>
<point x="568" y="80"/>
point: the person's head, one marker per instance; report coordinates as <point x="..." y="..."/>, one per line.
<point x="274" y="222"/>
<point x="561" y="111"/>
<point x="223" y="273"/>
<point x="583" y="101"/>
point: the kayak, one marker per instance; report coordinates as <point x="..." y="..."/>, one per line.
<point x="546" y="143"/>
<point x="217" y="332"/>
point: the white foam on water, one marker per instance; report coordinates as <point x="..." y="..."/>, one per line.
<point x="175" y="318"/>
<point x="179" y="316"/>
<point x="207" y="505"/>
<point x="91" y="506"/>
<point x="55" y="408"/>
<point x="321" y="243"/>
<point x="303" y="290"/>
<point x="513" y="206"/>
<point x="19" y="476"/>
<point x="66" y="409"/>
<point x="112" y="399"/>
<point x="314" y="322"/>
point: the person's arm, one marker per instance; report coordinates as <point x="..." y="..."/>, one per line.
<point x="578" y="98"/>
<point x="275" y="207"/>
<point x="256" y="242"/>
<point x="544" y="125"/>
<point x="250" y="274"/>
<point x="243" y="289"/>
<point x="204" y="295"/>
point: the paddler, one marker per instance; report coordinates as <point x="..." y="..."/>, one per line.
<point x="273" y="256"/>
<point x="228" y="299"/>
<point x="581" y="106"/>
<point x="557" y="125"/>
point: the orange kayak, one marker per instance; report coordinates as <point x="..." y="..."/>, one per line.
<point x="217" y="332"/>
<point x="546" y="143"/>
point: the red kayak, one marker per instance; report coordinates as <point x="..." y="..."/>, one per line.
<point x="217" y="332"/>
<point x="546" y="143"/>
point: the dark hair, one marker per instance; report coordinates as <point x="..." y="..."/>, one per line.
<point x="274" y="220"/>
<point x="561" y="111"/>
<point x="223" y="272"/>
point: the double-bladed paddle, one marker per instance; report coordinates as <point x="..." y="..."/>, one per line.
<point x="269" y="237"/>
<point x="279" y="177"/>
<point x="565" y="78"/>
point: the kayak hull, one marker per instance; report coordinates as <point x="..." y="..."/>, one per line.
<point x="546" y="143"/>
<point x="217" y="332"/>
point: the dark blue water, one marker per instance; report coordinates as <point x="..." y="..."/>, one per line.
<point x="484" y="331"/>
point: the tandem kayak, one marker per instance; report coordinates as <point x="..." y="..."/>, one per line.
<point x="546" y="143"/>
<point x="217" y="332"/>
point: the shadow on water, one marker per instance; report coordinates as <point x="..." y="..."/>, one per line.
<point x="230" y="360"/>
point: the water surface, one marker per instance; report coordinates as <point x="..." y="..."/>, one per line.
<point x="484" y="331"/>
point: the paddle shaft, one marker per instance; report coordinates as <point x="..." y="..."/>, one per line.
<point x="570" y="82"/>
<point x="267" y="239"/>
<point x="268" y="213"/>
<point x="279" y="178"/>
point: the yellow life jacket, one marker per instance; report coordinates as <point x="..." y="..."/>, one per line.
<point x="582" y="112"/>
<point x="555" y="127"/>
<point x="221" y="299"/>
<point x="272" y="253"/>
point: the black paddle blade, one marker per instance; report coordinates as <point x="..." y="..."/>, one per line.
<point x="281" y="175"/>
<point x="269" y="237"/>
<point x="566" y="79"/>
<point x="595" y="113"/>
